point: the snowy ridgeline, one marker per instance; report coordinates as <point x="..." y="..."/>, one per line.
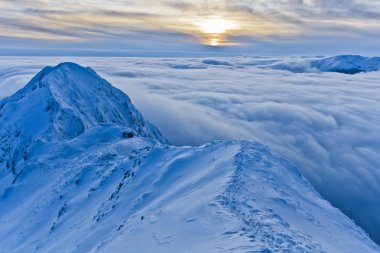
<point x="347" y="64"/>
<point x="69" y="182"/>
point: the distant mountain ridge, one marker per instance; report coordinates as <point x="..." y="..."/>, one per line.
<point x="344" y="64"/>
<point x="77" y="185"/>
<point x="347" y="64"/>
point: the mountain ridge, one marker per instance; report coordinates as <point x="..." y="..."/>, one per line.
<point x="100" y="192"/>
<point x="347" y="64"/>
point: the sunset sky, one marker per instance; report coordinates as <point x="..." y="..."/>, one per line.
<point x="117" y="27"/>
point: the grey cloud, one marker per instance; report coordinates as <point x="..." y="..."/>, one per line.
<point x="332" y="9"/>
<point x="181" y="5"/>
<point x="35" y="27"/>
<point x="125" y="14"/>
<point x="41" y="11"/>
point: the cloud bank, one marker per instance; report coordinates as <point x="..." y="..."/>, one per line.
<point x="328" y="124"/>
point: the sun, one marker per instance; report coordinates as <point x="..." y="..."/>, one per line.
<point x="215" y="29"/>
<point x="215" y="25"/>
<point x="214" y="41"/>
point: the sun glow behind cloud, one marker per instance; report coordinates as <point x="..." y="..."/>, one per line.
<point x="216" y="29"/>
<point x="216" y="25"/>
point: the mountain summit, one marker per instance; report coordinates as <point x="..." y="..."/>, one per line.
<point x="59" y="104"/>
<point x="78" y="186"/>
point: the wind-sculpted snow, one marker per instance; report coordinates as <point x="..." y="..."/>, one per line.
<point x="325" y="123"/>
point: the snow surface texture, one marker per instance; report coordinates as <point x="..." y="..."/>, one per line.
<point x="328" y="124"/>
<point x="95" y="191"/>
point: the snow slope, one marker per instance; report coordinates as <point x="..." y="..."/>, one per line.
<point x="97" y="192"/>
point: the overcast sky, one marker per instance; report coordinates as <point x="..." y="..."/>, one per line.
<point x="117" y="27"/>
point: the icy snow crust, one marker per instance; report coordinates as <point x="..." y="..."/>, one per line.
<point x="92" y="191"/>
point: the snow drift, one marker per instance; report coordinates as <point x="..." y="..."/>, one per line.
<point x="84" y="188"/>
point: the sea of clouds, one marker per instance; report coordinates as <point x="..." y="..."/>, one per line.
<point x="328" y="124"/>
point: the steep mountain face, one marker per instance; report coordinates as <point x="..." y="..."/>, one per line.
<point x="347" y="64"/>
<point x="84" y="188"/>
<point x="59" y="104"/>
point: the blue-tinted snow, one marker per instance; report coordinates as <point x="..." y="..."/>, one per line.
<point x="99" y="192"/>
<point x="326" y="123"/>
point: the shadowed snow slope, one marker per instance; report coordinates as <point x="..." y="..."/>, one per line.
<point x="86" y="189"/>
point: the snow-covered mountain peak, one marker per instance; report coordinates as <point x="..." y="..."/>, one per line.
<point x="347" y="64"/>
<point x="59" y="104"/>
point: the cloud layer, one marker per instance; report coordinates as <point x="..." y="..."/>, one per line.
<point x="327" y="124"/>
<point x="263" y="26"/>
